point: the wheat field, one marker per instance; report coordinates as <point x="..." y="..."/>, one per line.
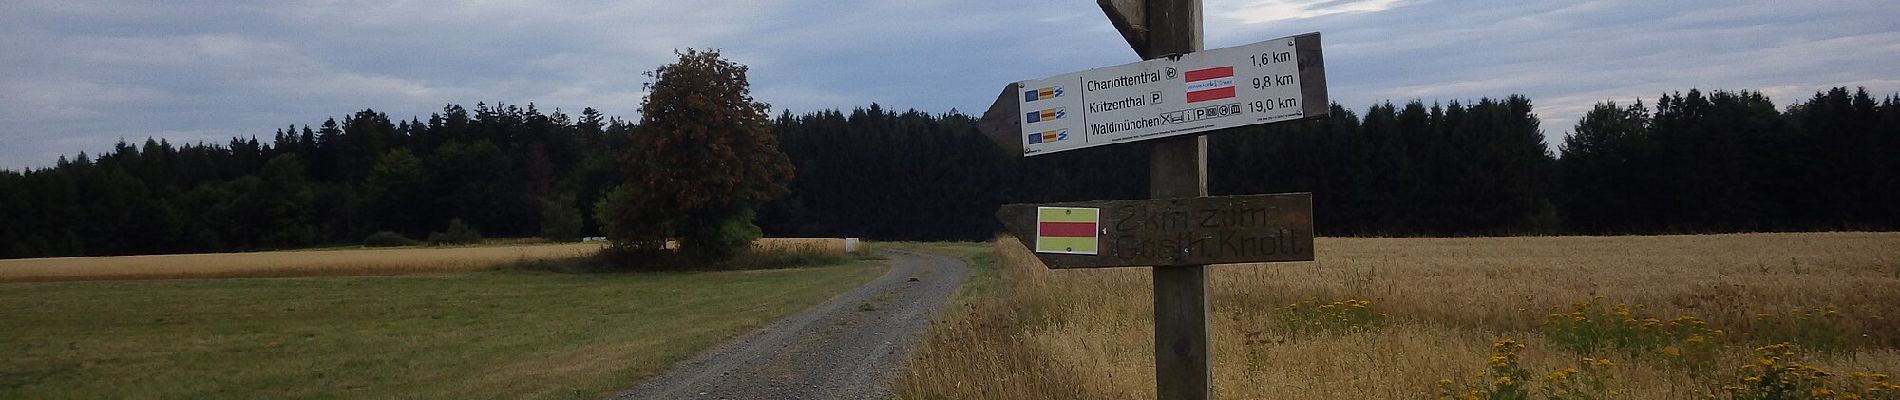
<point x="1432" y="311"/>
<point x="285" y="263"/>
<point x="333" y="262"/>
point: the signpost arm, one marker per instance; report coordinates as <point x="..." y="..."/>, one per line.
<point x="1178" y="168"/>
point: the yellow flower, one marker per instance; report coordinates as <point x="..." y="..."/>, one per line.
<point x="1499" y="359"/>
<point x="1603" y="362"/>
<point x="1504" y="380"/>
<point x="1444" y="382"/>
<point x="1694" y="339"/>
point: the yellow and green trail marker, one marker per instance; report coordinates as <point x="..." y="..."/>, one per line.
<point x="1067" y="230"/>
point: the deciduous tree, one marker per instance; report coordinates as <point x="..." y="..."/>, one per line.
<point x="702" y="160"/>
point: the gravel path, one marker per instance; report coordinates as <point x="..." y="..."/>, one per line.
<point x="849" y="347"/>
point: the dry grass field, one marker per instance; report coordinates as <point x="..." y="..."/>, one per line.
<point x="394" y="261"/>
<point x="1423" y="318"/>
<point x="829" y="245"/>
<point x="336" y="262"/>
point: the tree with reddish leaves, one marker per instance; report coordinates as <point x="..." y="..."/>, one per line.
<point x="703" y="160"/>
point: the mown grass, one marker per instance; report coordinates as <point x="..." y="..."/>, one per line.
<point x="496" y="334"/>
<point x="1434" y="313"/>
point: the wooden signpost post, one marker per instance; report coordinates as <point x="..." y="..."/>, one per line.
<point x="1170" y="99"/>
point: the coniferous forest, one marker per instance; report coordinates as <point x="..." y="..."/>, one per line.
<point x="1723" y="161"/>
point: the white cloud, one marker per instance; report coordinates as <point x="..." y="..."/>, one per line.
<point x="79" y="75"/>
<point x="1264" y="11"/>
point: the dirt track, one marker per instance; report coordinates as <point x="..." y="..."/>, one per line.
<point x="846" y="348"/>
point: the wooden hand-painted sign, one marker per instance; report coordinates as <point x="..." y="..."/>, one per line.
<point x="1164" y="232"/>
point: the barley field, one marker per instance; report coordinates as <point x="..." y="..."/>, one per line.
<point x="1635" y="317"/>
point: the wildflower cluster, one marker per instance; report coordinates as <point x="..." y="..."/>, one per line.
<point x="1815" y="329"/>
<point x="1502" y="378"/>
<point x="1589" y="328"/>
<point x="1777" y="373"/>
<point x="1312" y="316"/>
<point x="1589" y="380"/>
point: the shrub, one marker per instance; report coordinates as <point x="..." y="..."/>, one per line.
<point x="388" y="239"/>
<point x="457" y="234"/>
<point x="631" y="224"/>
<point x="560" y="220"/>
<point x="718" y="236"/>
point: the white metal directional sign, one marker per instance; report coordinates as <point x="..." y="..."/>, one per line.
<point x="1196" y="92"/>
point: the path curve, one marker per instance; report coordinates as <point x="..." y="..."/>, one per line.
<point x="848" y="347"/>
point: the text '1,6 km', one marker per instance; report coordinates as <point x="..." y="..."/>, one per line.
<point x="1271" y="81"/>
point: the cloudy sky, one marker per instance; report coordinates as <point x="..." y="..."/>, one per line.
<point x="80" y="75"/>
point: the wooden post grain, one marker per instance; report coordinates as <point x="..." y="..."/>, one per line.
<point x="1178" y="168"/>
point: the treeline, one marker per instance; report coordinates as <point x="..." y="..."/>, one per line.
<point x="1731" y="161"/>
<point x="501" y="169"/>
<point x="1695" y="162"/>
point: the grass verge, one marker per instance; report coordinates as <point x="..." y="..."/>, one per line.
<point x="496" y="334"/>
